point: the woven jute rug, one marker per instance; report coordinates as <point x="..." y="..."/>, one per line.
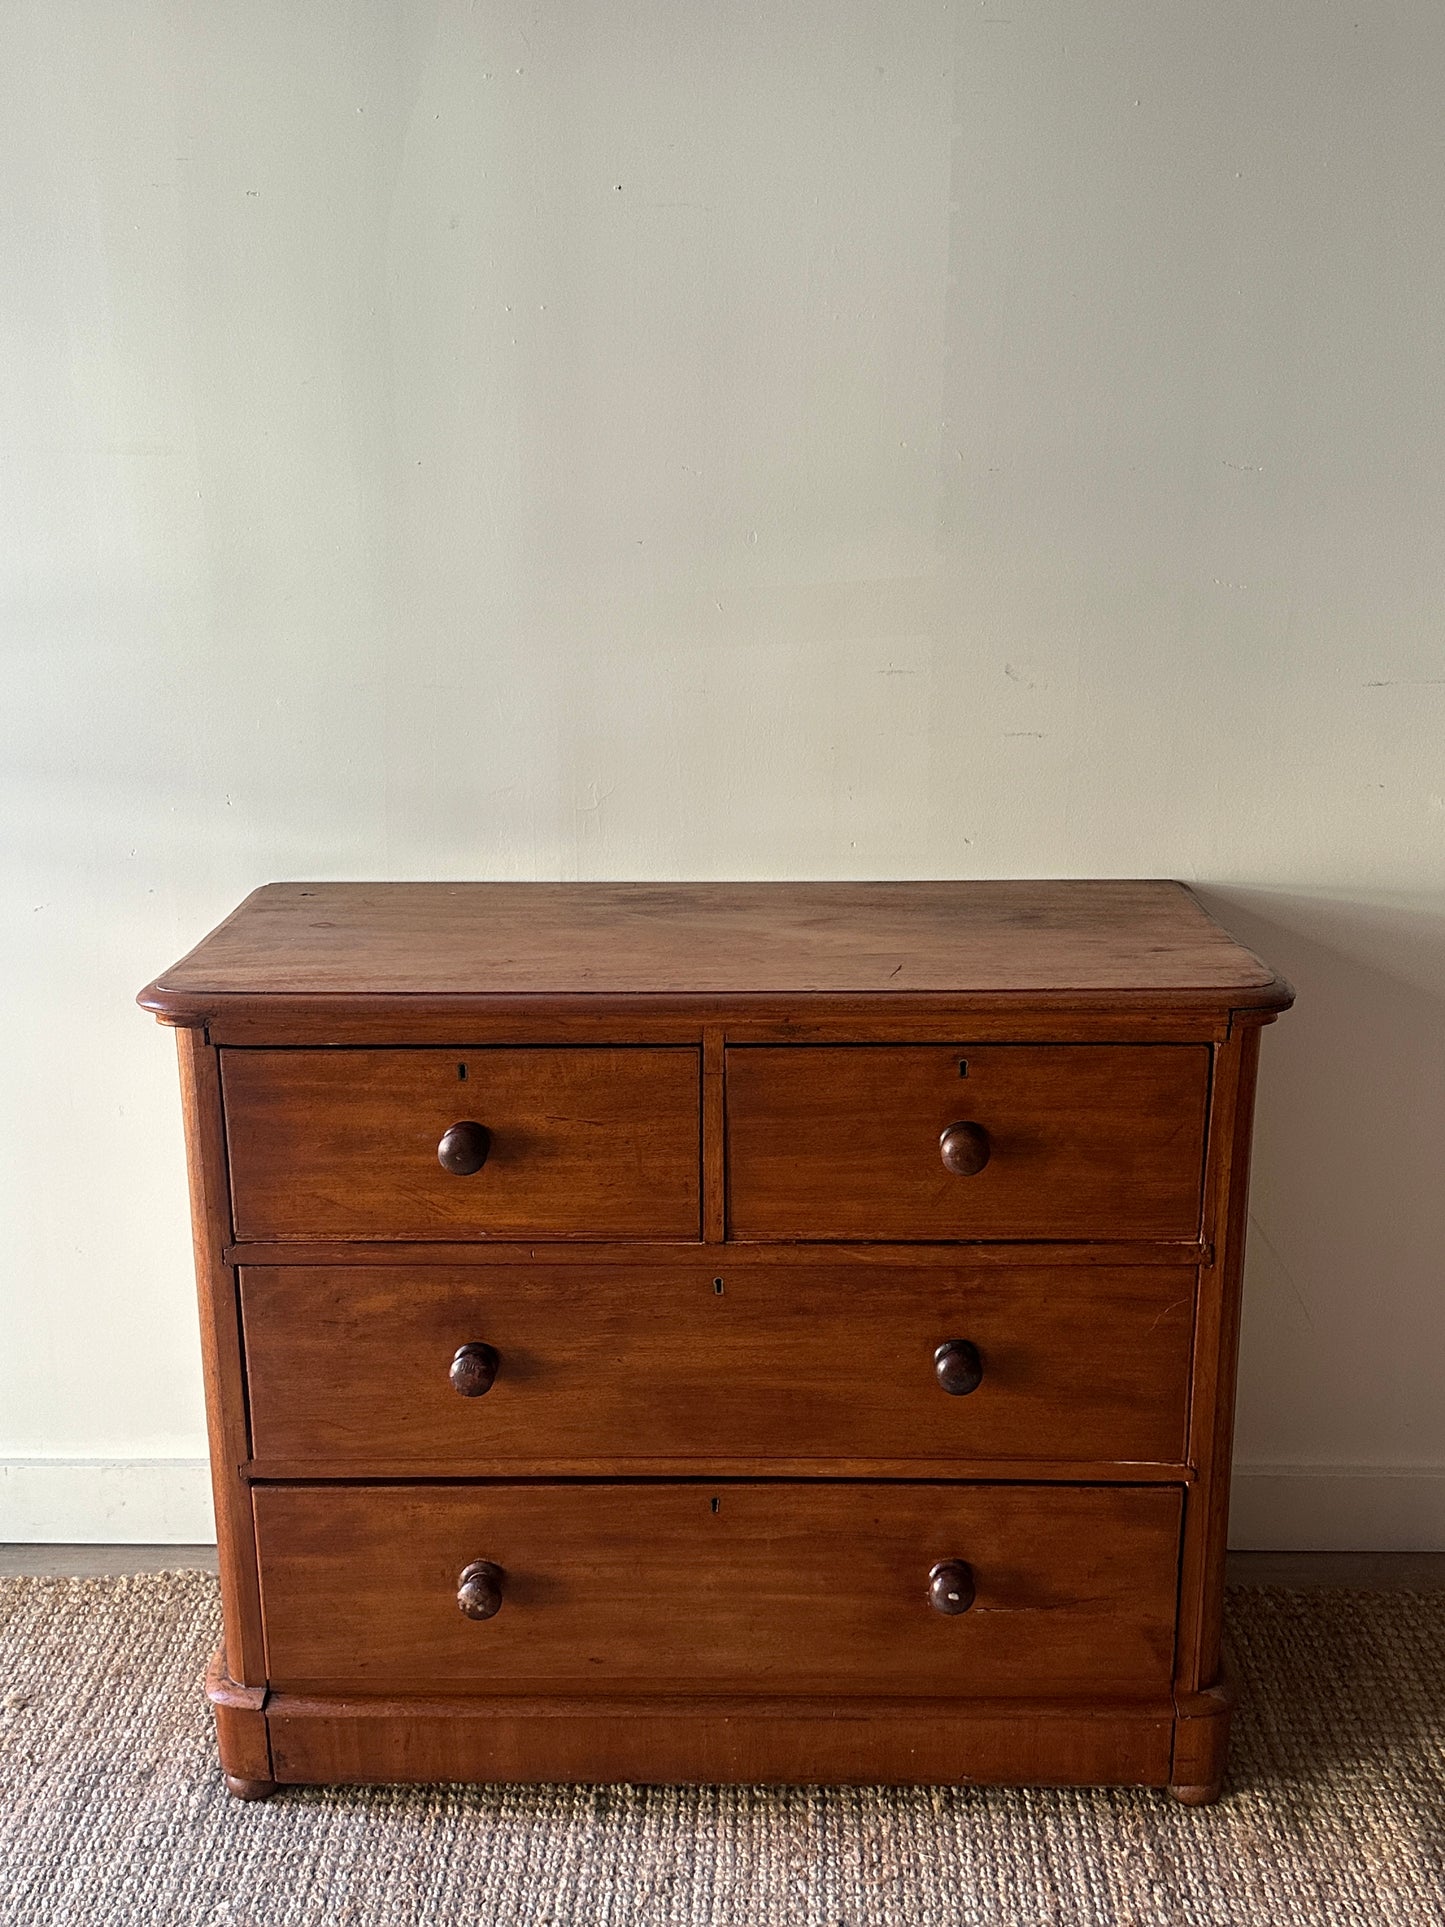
<point x="112" y="1811"/>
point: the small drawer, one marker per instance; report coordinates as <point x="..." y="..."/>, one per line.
<point x="438" y="1144"/>
<point x="379" y="1369"/>
<point x="941" y="1142"/>
<point x="728" y="1588"/>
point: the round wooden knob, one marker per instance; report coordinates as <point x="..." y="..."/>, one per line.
<point x="950" y="1586"/>
<point x="957" y="1365"/>
<point x="479" y="1589"/>
<point x="464" y="1148"/>
<point x="474" y="1370"/>
<point x="964" y="1149"/>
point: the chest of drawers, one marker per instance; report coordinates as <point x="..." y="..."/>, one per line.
<point x="720" y="1332"/>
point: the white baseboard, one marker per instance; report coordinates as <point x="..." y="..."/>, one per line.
<point x="112" y="1502"/>
<point x="1277" y="1508"/>
<point x="1338" y="1508"/>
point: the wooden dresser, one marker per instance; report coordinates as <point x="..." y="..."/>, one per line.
<point x="759" y="1332"/>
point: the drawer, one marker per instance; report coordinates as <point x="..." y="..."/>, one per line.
<point x="728" y="1588"/>
<point x="1081" y="1141"/>
<point x="592" y="1143"/>
<point x="722" y="1359"/>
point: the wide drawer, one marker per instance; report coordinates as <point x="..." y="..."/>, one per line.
<point x="814" y="1588"/>
<point x="1072" y="1140"/>
<point x="593" y="1143"/>
<point x="710" y="1360"/>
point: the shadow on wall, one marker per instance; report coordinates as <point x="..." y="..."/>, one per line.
<point x="1340" y="1391"/>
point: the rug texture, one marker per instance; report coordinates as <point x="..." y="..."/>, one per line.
<point x="112" y="1809"/>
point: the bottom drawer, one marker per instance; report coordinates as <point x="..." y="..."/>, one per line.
<point x="726" y="1588"/>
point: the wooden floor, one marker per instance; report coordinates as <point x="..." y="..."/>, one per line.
<point x="1375" y="1571"/>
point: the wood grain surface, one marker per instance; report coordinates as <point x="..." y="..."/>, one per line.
<point x="734" y="1359"/>
<point x="584" y="1143"/>
<point x="721" y="1332"/>
<point x="349" y="940"/>
<point x="748" y="1742"/>
<point x="759" y="1588"/>
<point x="222" y="1358"/>
<point x="1087" y="1141"/>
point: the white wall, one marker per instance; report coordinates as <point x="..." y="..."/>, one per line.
<point x="704" y="438"/>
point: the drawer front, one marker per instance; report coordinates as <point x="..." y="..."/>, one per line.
<point x="578" y="1143"/>
<point x="1081" y="1141"/>
<point x="773" y="1588"/>
<point x="716" y="1359"/>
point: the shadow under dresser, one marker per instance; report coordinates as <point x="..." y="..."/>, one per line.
<point x="720" y="1332"/>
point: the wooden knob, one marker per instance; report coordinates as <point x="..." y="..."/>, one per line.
<point x="479" y="1589"/>
<point x="474" y="1370"/>
<point x="464" y="1148"/>
<point x="957" y="1365"/>
<point x="950" y="1586"/>
<point x="964" y="1149"/>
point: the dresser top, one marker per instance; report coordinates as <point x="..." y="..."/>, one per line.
<point x="358" y="941"/>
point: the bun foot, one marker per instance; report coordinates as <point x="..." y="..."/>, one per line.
<point x="1196" y="1796"/>
<point x="249" y="1789"/>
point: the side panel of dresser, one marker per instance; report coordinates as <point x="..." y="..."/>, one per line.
<point x="1204" y="1693"/>
<point x="237" y="1691"/>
